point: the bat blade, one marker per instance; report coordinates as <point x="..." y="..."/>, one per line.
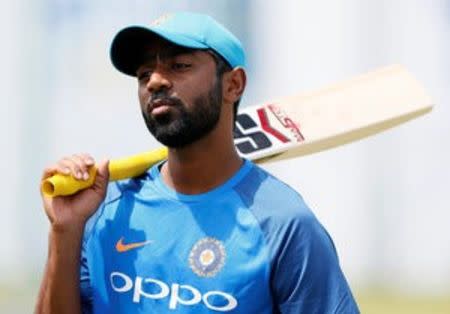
<point x="330" y="117"/>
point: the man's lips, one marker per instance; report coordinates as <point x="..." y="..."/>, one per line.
<point x="160" y="106"/>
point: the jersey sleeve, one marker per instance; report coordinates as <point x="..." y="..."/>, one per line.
<point x="86" y="295"/>
<point x="306" y="276"/>
<point x="85" y="284"/>
<point x="85" y="278"/>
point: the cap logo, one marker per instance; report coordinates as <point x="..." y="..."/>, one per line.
<point x="160" y="20"/>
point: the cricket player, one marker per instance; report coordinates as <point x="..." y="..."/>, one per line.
<point x="203" y="231"/>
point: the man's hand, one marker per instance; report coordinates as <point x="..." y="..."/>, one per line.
<point x="60" y="287"/>
<point x="67" y="213"/>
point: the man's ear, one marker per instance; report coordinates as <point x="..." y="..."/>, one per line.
<point x="233" y="85"/>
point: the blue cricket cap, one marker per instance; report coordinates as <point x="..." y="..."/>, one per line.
<point x="190" y="30"/>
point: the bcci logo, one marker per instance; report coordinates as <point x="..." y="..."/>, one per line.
<point x="160" y="20"/>
<point x="207" y="257"/>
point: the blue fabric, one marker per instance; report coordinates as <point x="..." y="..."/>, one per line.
<point x="248" y="246"/>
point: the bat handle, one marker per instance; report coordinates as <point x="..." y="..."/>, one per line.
<point x="119" y="169"/>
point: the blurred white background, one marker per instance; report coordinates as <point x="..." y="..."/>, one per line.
<point x="383" y="199"/>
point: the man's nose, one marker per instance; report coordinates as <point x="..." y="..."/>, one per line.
<point x="158" y="81"/>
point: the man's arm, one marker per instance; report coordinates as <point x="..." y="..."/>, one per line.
<point x="60" y="292"/>
<point x="60" y="287"/>
<point x="306" y="276"/>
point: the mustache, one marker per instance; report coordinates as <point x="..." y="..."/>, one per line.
<point x="162" y="97"/>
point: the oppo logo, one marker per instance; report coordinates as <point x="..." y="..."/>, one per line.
<point x="141" y="287"/>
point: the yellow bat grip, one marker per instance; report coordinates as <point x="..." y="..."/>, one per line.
<point x="59" y="184"/>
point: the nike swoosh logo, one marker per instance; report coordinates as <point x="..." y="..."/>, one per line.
<point x="123" y="247"/>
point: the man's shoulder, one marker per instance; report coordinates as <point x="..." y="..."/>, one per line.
<point x="285" y="219"/>
<point x="116" y="192"/>
<point x="118" y="189"/>
<point x="271" y="198"/>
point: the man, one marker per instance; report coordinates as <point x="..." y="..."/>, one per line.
<point x="204" y="231"/>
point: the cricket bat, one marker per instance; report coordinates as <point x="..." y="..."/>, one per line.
<point x="299" y="125"/>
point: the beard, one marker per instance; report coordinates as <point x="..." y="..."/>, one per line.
<point x="180" y="126"/>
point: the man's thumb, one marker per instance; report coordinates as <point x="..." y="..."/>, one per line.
<point x="102" y="177"/>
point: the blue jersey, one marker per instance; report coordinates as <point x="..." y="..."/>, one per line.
<point x="248" y="246"/>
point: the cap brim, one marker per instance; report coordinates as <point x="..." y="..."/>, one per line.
<point x="129" y="44"/>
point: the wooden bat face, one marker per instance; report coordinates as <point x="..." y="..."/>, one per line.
<point x="330" y="117"/>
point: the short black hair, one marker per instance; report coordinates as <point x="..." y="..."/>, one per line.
<point x="222" y="66"/>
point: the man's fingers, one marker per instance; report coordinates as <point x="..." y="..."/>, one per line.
<point x="81" y="167"/>
<point x="48" y="172"/>
<point x="69" y="163"/>
<point x="88" y="159"/>
<point x="63" y="168"/>
<point x="76" y="165"/>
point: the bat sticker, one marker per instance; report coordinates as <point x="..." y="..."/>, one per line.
<point x="263" y="127"/>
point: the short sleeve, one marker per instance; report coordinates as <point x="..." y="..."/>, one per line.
<point x="306" y="276"/>
<point x="85" y="285"/>
<point x="86" y="291"/>
<point x="85" y="278"/>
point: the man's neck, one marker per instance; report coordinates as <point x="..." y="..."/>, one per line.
<point x="201" y="166"/>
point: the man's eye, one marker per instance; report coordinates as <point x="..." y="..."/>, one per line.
<point x="179" y="66"/>
<point x="144" y="75"/>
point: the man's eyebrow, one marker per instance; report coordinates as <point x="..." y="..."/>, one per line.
<point x="149" y="57"/>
